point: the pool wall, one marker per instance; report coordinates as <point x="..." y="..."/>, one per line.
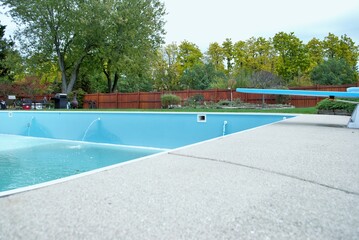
<point x="147" y="129"/>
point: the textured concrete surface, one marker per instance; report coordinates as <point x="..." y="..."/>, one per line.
<point x="297" y="179"/>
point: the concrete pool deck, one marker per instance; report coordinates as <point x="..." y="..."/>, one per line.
<point x="296" y="179"/>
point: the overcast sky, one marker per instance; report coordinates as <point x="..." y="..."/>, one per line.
<point x="205" y="21"/>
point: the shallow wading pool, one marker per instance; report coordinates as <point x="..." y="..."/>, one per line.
<point x="39" y="146"/>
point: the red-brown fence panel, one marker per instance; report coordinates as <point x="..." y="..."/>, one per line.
<point x="152" y="100"/>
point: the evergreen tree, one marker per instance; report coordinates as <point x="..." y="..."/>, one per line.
<point x="334" y="72"/>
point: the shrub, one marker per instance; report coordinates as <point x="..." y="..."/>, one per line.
<point x="198" y="98"/>
<point x="328" y="104"/>
<point x="170" y="100"/>
<point x="224" y="103"/>
<point x="227" y="103"/>
<point x="237" y="101"/>
<point x="195" y="100"/>
<point x="282" y="99"/>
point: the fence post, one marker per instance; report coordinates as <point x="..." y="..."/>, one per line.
<point x="98" y="100"/>
<point x="138" y="100"/>
<point x="117" y="103"/>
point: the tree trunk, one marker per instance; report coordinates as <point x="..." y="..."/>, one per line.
<point x="67" y="88"/>
<point x="109" y="81"/>
<point x="115" y="81"/>
<point x="74" y="74"/>
<point x="63" y="71"/>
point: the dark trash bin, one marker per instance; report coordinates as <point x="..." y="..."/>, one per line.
<point x="60" y="100"/>
<point x="2" y="105"/>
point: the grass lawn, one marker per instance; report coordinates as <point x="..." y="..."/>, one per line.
<point x="311" y="110"/>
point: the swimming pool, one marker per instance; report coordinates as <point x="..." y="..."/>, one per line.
<point x="40" y="146"/>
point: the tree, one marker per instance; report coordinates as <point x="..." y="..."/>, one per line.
<point x="216" y="56"/>
<point x="164" y="76"/>
<point x="165" y="69"/>
<point x="61" y="28"/>
<point x="331" y="46"/>
<point x="334" y="72"/>
<point x="189" y="55"/>
<point x="293" y="58"/>
<point x="240" y="54"/>
<point x="117" y="33"/>
<point x="265" y="79"/>
<point x="259" y="54"/>
<point x="228" y="50"/>
<point x="349" y="51"/>
<point x="199" y="77"/>
<point x="170" y="54"/>
<point x="341" y="48"/>
<point x="91" y="79"/>
<point x="31" y="86"/>
<point x="315" y="52"/>
<point x="134" y="37"/>
<point x="5" y="50"/>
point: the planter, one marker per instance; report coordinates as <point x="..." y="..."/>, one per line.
<point x="325" y="111"/>
<point x="341" y="112"/>
<point x="334" y="112"/>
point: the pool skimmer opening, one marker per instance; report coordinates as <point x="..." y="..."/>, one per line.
<point x="201" y="118"/>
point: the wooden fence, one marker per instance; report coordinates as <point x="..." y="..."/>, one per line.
<point x="152" y="100"/>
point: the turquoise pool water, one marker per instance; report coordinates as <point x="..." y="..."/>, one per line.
<point x="39" y="146"/>
<point x="27" y="161"/>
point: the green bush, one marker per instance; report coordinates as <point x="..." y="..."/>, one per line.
<point x="328" y="104"/>
<point x="198" y="98"/>
<point x="170" y="100"/>
<point x="224" y="103"/>
<point x="195" y="100"/>
<point x="227" y="103"/>
<point x="282" y="99"/>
